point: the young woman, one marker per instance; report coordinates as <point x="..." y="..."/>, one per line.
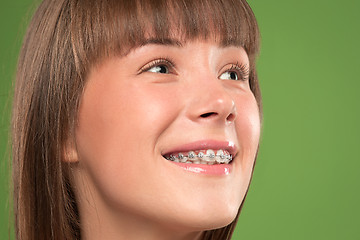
<point x="135" y="119"/>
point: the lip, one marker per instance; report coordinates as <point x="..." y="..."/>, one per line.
<point x="214" y="170"/>
<point x="203" y="145"/>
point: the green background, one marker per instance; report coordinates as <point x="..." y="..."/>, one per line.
<point x="306" y="183"/>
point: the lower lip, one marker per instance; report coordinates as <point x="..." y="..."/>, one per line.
<point x="216" y="169"/>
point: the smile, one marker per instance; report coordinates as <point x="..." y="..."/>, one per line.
<point x="207" y="156"/>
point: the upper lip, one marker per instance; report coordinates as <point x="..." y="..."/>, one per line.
<point x="203" y="145"/>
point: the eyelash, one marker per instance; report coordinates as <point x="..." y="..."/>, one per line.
<point x="157" y="62"/>
<point x="241" y="69"/>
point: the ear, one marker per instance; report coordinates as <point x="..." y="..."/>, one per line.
<point x="70" y="152"/>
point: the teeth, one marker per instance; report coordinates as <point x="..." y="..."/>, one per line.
<point x="202" y="157"/>
<point x="191" y="155"/>
<point x="210" y="156"/>
<point x="220" y="156"/>
<point x="184" y="160"/>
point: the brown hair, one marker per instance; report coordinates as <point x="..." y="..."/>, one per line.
<point x="65" y="39"/>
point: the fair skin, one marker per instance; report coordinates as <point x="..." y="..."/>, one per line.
<point x="132" y="113"/>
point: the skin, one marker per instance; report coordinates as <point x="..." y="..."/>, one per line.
<point x="128" y="117"/>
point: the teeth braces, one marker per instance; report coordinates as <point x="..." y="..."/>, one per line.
<point x="200" y="155"/>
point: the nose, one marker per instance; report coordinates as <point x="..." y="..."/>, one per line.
<point x="211" y="101"/>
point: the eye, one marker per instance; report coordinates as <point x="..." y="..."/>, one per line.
<point x="235" y="72"/>
<point x="229" y="75"/>
<point x="159" y="69"/>
<point x="162" y="66"/>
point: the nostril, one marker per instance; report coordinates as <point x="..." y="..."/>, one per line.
<point x="231" y="117"/>
<point x="205" y="115"/>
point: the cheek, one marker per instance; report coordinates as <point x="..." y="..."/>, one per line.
<point x="125" y="117"/>
<point x="248" y="129"/>
<point x="117" y="132"/>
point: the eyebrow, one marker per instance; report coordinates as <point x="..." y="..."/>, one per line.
<point x="162" y="41"/>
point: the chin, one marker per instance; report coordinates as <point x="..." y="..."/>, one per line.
<point x="209" y="218"/>
<point x="221" y="218"/>
<point x="219" y="222"/>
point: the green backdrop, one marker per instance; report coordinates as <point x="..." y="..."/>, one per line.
<point x="306" y="183"/>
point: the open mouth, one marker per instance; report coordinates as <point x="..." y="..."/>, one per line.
<point x="206" y="156"/>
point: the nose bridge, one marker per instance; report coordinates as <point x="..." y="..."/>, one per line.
<point x="209" y="99"/>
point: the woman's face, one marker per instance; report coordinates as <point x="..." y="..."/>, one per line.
<point x="162" y="104"/>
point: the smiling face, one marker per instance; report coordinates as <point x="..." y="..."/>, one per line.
<point x="141" y="115"/>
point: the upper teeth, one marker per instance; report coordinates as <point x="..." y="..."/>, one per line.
<point x="202" y="157"/>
